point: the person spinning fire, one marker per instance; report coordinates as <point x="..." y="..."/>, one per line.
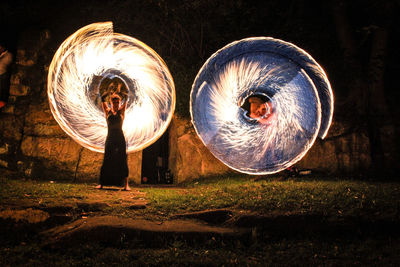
<point x="263" y="112"/>
<point x="114" y="170"/>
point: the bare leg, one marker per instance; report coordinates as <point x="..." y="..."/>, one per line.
<point x="127" y="188"/>
<point x="100" y="186"/>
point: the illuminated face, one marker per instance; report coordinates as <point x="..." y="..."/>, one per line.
<point x="114" y="87"/>
<point x="257" y="107"/>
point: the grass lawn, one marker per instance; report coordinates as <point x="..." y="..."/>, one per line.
<point x="364" y="217"/>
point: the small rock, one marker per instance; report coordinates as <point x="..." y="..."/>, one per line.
<point x="3" y="163"/>
<point x="4" y="149"/>
<point x="8" y="109"/>
<point x="19" y="90"/>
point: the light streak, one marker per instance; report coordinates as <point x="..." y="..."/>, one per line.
<point x="300" y="94"/>
<point x="96" y="51"/>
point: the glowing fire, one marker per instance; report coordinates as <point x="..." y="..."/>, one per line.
<point x="96" y="51"/>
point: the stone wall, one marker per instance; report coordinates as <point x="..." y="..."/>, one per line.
<point x="32" y="143"/>
<point x="189" y="158"/>
<point x="342" y="151"/>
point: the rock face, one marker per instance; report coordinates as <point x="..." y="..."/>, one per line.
<point x="32" y="143"/>
<point x="189" y="158"/>
<point x="340" y="152"/>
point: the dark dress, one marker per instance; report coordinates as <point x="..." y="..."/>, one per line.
<point x="115" y="168"/>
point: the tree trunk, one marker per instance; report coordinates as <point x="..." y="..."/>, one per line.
<point x="356" y="101"/>
<point x="377" y="107"/>
<point x="366" y="90"/>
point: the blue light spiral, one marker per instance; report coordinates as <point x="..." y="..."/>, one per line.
<point x="300" y="97"/>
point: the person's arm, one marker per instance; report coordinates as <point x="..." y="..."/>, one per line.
<point x="104" y="103"/>
<point x="122" y="109"/>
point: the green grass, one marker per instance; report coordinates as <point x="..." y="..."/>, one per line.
<point x="44" y="191"/>
<point x="342" y="197"/>
<point x="329" y="197"/>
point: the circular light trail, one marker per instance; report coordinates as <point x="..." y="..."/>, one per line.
<point x="298" y="104"/>
<point x="88" y="56"/>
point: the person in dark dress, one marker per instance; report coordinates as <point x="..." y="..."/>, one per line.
<point x="114" y="171"/>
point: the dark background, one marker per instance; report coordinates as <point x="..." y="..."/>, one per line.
<point x="354" y="41"/>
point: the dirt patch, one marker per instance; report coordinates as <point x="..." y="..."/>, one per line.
<point x="95" y="200"/>
<point x="26" y="215"/>
<point x="115" y="196"/>
<point x="113" y="230"/>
